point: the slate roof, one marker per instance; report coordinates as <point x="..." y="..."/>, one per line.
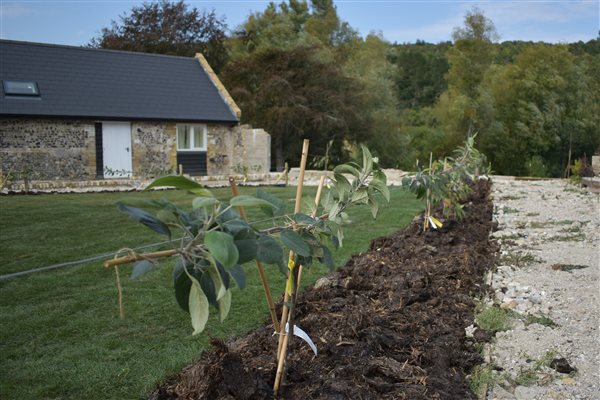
<point x="108" y="84"/>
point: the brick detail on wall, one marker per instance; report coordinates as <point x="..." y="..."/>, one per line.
<point x="48" y="149"/>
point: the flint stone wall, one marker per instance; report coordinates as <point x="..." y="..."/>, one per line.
<point x="48" y="149"/>
<point x="154" y="149"/>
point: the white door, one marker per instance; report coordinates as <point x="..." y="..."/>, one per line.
<point x="116" y="149"/>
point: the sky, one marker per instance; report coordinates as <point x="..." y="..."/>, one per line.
<point x="75" y="22"/>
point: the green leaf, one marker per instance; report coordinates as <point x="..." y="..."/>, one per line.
<point x="268" y="250"/>
<point x="247" y="249"/>
<point x="239" y="229"/>
<point x="367" y="160"/>
<point x="140" y="268"/>
<point x="346" y="169"/>
<point x="342" y="186"/>
<point x="294" y="242"/>
<point x="381" y="188"/>
<point x="360" y="196"/>
<point x="248" y="201"/>
<point x="224" y="276"/>
<point x="217" y="281"/>
<point x="380" y="176"/>
<point x="224" y="305"/>
<point x="277" y="207"/>
<point x="202" y="202"/>
<point x="198" y="306"/>
<point x="374" y="206"/>
<point x="208" y="287"/>
<point x="145" y="218"/>
<point x="327" y="258"/>
<point x="238" y="275"/>
<point x="222" y="248"/>
<point x="301" y="218"/>
<point x="167" y="217"/>
<point x="176" y="181"/>
<point x="335" y="210"/>
<point x="182" y="285"/>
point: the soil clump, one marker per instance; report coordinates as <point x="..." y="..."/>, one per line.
<point x="390" y="324"/>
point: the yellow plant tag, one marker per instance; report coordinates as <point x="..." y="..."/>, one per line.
<point x="435" y="223"/>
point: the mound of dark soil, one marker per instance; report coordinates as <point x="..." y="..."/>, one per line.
<point x="389" y="325"/>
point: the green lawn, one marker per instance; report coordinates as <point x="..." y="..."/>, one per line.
<point x="61" y="336"/>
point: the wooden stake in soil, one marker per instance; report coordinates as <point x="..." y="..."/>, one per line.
<point x="283" y="337"/>
<point x="297" y="276"/>
<point x="259" y="266"/>
<point x="313" y="214"/>
<point x="428" y="199"/>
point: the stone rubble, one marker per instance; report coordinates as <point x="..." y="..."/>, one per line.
<point x="548" y="268"/>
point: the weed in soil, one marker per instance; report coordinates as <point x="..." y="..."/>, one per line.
<point x="529" y="319"/>
<point x="480" y="379"/>
<point x="568" y="267"/>
<point x="577" y="237"/>
<point x="494" y="319"/>
<point x="518" y="259"/>
<point x="389" y="325"/>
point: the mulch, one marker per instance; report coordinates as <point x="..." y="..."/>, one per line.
<point x="390" y="324"/>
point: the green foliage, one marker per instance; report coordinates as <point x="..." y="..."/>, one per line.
<point x="166" y="27"/>
<point x="295" y="94"/>
<point x="447" y="182"/>
<point x="421" y="68"/>
<point x="215" y="239"/>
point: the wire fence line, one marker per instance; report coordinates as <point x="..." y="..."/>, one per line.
<point x="78" y="262"/>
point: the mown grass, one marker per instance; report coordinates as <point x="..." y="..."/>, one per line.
<point x="61" y="336"/>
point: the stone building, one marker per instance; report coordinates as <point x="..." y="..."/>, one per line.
<point x="73" y="113"/>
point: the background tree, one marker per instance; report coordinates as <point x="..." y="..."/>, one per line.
<point x="421" y="68"/>
<point x="286" y="74"/>
<point x="295" y="94"/>
<point x="168" y="28"/>
<point x="542" y="105"/>
<point x="470" y="57"/>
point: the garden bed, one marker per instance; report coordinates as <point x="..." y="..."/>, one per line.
<point x="389" y="324"/>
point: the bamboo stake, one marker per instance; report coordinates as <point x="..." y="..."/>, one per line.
<point x="313" y="214"/>
<point x="428" y="200"/>
<point x="283" y="337"/>
<point x="259" y="266"/>
<point x="295" y="290"/>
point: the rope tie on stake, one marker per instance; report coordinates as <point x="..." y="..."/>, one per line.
<point x="133" y="255"/>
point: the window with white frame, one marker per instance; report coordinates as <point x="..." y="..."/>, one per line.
<point x="191" y="137"/>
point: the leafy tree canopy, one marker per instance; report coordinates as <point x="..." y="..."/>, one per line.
<point x="170" y="28"/>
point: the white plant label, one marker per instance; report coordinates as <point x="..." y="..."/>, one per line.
<point x="302" y="335"/>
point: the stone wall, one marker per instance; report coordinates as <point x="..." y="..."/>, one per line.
<point x="66" y="149"/>
<point x="238" y="149"/>
<point x="154" y="149"/>
<point x="48" y="149"/>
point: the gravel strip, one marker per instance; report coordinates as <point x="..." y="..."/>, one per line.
<point x="547" y="278"/>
